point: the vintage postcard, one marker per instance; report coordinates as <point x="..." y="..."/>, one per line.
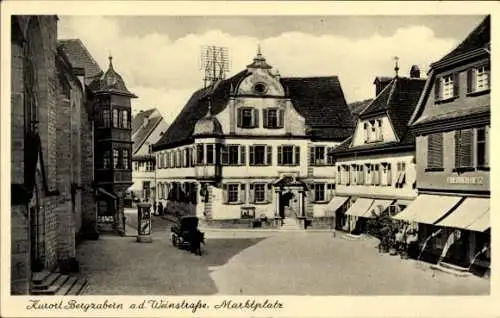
<point x="234" y="159"/>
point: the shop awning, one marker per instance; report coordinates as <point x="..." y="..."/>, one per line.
<point x="403" y="202"/>
<point x="336" y="203"/>
<point x="471" y="210"/>
<point x="377" y="207"/>
<point x="360" y="207"/>
<point x="109" y="194"/>
<point x="428" y="208"/>
<point x="481" y="224"/>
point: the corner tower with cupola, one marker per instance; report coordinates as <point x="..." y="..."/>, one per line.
<point x="238" y="152"/>
<point x="112" y="145"/>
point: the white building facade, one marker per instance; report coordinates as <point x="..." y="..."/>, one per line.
<point x="376" y="167"/>
<point x="252" y="150"/>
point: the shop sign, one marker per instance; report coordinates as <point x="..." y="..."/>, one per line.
<point x="465" y="180"/>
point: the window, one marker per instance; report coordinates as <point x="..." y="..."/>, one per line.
<point x="319" y="192"/>
<point x="199" y="154"/>
<point x="482" y="78"/>
<point x="106" y="159"/>
<point x="210" y="154"/>
<point x="149" y="166"/>
<point x="376" y="174"/>
<point x="260" y="155"/>
<point x="401" y="173"/>
<point x="230" y="155"/>
<point x="481" y="147"/>
<point x="248" y="117"/>
<point x="260" y="192"/>
<point x="446" y="87"/>
<point x="178" y="159"/>
<point x="386" y="178"/>
<point x="317" y="155"/>
<point x="115" y="117"/>
<point x="106" y="118"/>
<point x="354" y="175"/>
<point x="368" y="178"/>
<point x="379" y="135"/>
<point x="125" y="159"/>
<point x="288" y="155"/>
<point x="273" y="118"/>
<point x="435" y="151"/>
<point x="232" y="193"/>
<point x="116" y="158"/>
<point x="361" y="174"/>
<point x="365" y="131"/>
<point x="478" y="79"/>
<point x="136" y="166"/>
<point x="464" y="148"/>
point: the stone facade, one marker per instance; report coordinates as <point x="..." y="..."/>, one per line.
<point x="50" y="130"/>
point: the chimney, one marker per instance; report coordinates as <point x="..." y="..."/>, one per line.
<point x="415" y="71"/>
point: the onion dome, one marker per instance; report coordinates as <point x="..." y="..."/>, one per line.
<point x="112" y="82"/>
<point x="259" y="61"/>
<point x="208" y="125"/>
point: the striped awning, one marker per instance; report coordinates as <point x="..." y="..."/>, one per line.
<point x="377" y="207"/>
<point x="336" y="203"/>
<point x="427" y="208"/>
<point x="470" y="212"/>
<point x="360" y="207"/>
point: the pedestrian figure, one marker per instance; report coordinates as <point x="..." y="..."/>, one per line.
<point x="160" y="208"/>
<point x="154" y="208"/>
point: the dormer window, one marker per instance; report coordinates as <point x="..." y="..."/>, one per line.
<point x="248" y="117"/>
<point x="273" y="118"/>
<point x="478" y="79"/>
<point x="446" y="87"/>
<point x="260" y="88"/>
<point x="373" y="131"/>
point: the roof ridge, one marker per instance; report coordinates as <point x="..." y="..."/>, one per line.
<point x="374" y="99"/>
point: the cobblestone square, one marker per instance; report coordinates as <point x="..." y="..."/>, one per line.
<point x="258" y="262"/>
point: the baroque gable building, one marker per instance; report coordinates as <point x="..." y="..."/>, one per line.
<point x="253" y="149"/>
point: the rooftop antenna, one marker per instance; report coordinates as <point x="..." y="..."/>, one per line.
<point x="215" y="63"/>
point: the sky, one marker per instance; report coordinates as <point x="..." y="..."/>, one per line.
<point x="159" y="56"/>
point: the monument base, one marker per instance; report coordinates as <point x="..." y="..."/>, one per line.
<point x="144" y="239"/>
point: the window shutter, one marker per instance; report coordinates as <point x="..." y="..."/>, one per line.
<point x="458" y="138"/>
<point x="252" y="152"/>
<point x="224" y="193"/>
<point x="311" y="156"/>
<point x="225" y="155"/>
<point x="243" y="192"/>
<point x="337" y="176"/>
<point x="280" y="156"/>
<point x="281" y="118"/>
<point x="437" y="89"/>
<point x="487" y="146"/>
<point x="434" y="151"/>
<point x="251" y="193"/>
<point x="240" y="117"/>
<point x="389" y="174"/>
<point x="264" y="114"/>
<point x="313" y="192"/>
<point x="269" y="192"/>
<point x="365" y="130"/>
<point x="361" y="175"/>
<point x="242" y="155"/>
<point x="470" y="80"/>
<point x="297" y="155"/>
<point x="465" y="148"/>
<point x="269" y="155"/>
<point x="255" y="118"/>
<point x="456" y="84"/>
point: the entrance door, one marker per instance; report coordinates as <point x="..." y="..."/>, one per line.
<point x="285" y="203"/>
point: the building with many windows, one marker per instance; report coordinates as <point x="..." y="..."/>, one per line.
<point x="376" y="165"/>
<point x="147" y="128"/>
<point x="452" y="127"/>
<point x="110" y="101"/>
<point x="254" y="147"/>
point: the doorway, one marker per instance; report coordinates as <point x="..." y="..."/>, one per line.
<point x="286" y="200"/>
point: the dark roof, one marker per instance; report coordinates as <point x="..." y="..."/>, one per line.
<point x="319" y="99"/>
<point x="112" y="82"/>
<point x="357" y="107"/>
<point x="142" y="133"/>
<point x="80" y="57"/>
<point x="138" y="119"/>
<point x="478" y="38"/>
<point x="398" y="99"/>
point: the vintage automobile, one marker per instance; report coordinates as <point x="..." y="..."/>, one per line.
<point x="185" y="234"/>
